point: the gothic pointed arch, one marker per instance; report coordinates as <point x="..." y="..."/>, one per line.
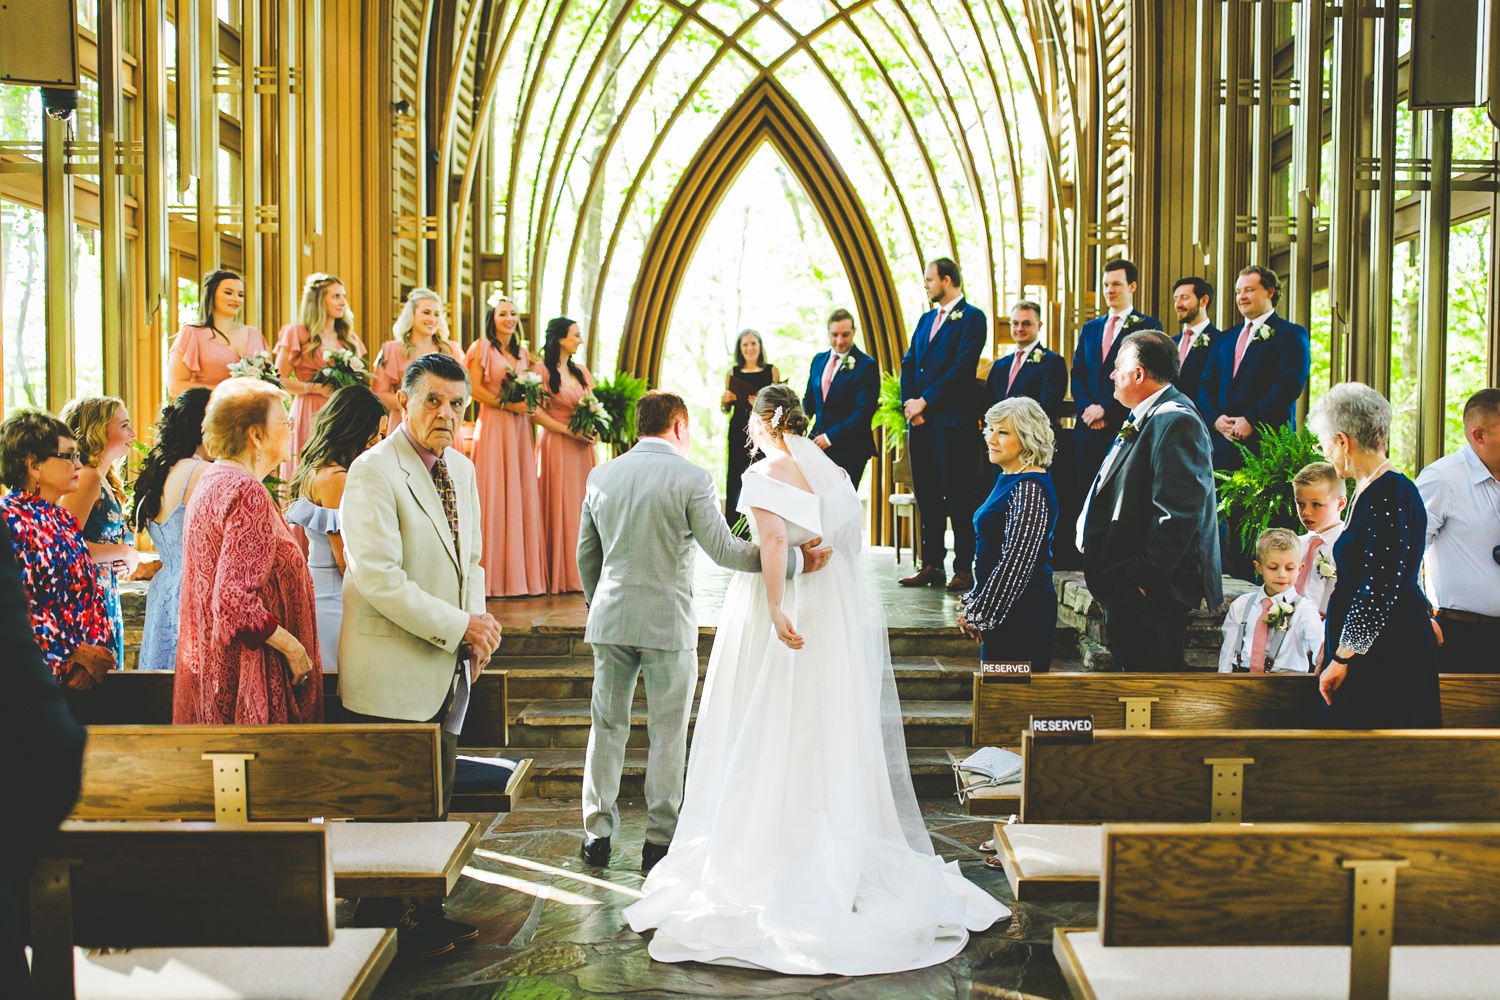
<point x="765" y="113"/>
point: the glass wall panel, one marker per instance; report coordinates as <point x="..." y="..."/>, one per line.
<point x="88" y="327"/>
<point x="1468" y="338"/>
<point x="22" y="291"/>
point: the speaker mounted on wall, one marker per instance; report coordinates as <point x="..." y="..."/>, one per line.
<point x="39" y="43"/>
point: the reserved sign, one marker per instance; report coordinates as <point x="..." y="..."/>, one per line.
<point x="1062" y="728"/>
<point x="1005" y="671"/>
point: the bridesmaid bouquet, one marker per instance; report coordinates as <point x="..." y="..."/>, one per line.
<point x="258" y="365"/>
<point x="524" y="388"/>
<point x="589" y="417"/>
<point x="342" y="368"/>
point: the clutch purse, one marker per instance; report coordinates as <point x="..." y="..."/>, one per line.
<point x="985" y="768"/>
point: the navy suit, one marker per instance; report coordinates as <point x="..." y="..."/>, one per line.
<point x="944" y="447"/>
<point x="845" y="415"/>
<point x="1092" y="386"/>
<point x="1191" y="377"/>
<point x="1044" y="380"/>
<point x="1265" y="392"/>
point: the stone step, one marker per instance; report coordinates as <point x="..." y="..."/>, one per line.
<point x="557" y="773"/>
<point x="564" y="723"/>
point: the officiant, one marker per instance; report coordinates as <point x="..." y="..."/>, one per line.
<point x="752" y="372"/>
<point x="843" y="391"/>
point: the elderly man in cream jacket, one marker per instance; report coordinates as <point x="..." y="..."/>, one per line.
<point x="415" y="633"/>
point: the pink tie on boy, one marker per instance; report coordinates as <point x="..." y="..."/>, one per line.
<point x="1262" y="634"/>
<point x="1307" y="563"/>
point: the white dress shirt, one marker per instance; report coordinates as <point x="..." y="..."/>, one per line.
<point x="1318" y="588"/>
<point x="1463" y="528"/>
<point x="1291" y="651"/>
<point x="1137" y="417"/>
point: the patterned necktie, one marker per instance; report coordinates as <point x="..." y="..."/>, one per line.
<point x="1307" y="563"/>
<point x="1110" y="326"/>
<point x="449" y="496"/>
<point x="828" y="370"/>
<point x="1241" y="347"/>
<point x="1262" y="634"/>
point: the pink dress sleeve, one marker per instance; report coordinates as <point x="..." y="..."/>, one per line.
<point x="588" y="377"/>
<point x="289" y="343"/>
<point x="255" y="342"/>
<point x="388" y="367"/>
<point x="244" y="567"/>
<point x="188" y="346"/>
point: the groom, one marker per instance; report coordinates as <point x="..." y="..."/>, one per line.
<point x="642" y="513"/>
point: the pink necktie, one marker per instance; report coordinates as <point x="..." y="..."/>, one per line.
<point x="1239" y="349"/>
<point x="832" y="366"/>
<point x="1258" y="644"/>
<point x="1307" y="563"/>
<point x="1186" y="345"/>
<point x="937" y="322"/>
<point x="1016" y="361"/>
<point x="1110" y="326"/>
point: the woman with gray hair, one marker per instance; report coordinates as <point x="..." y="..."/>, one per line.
<point x="1380" y="652"/>
<point x="1012" y="609"/>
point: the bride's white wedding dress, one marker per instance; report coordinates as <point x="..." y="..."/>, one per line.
<point x="800" y="847"/>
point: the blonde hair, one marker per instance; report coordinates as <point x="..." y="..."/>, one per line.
<point x="313" y="314"/>
<point x="89" y="418"/>
<point x="1275" y="540"/>
<point x="1319" y="474"/>
<point x="237" y="405"/>
<point x="401" y="329"/>
<point x="1029" y="423"/>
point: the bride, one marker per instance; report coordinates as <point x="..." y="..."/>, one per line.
<point x="800" y="848"/>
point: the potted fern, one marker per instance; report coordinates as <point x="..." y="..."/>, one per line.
<point x="1259" y="495"/>
<point x="889" y="415"/>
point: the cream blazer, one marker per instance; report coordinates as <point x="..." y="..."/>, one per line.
<point x="407" y="594"/>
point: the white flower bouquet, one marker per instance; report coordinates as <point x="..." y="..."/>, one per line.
<point x="259" y="365"/>
<point x="342" y="368"/>
<point x="589" y="417"/>
<point x="526" y="387"/>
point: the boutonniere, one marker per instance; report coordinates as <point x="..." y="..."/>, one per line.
<point x="1134" y="319"/>
<point x="955" y="315"/>
<point x="1035" y="357"/>
<point x="1201" y="339"/>
<point x="1324" y="565"/>
<point x="1280" y="615"/>
<point x="1128" y="432"/>
<point x="847" y="364"/>
<point x="1263" y="332"/>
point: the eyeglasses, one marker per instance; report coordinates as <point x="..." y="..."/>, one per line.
<point x="66" y="456"/>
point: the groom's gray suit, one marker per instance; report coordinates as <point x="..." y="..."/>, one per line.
<point x="642" y="513"/>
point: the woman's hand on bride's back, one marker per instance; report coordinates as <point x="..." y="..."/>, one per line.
<point x="784" y="630"/>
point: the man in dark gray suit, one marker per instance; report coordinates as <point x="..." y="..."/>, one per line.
<point x="644" y="516"/>
<point x="1149" y="527"/>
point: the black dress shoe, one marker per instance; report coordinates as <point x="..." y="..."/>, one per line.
<point x="651" y="854"/>
<point x="595" y="851"/>
<point x="416" y="939"/>
<point x="455" y="931"/>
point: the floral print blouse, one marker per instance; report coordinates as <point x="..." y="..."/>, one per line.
<point x="62" y="583"/>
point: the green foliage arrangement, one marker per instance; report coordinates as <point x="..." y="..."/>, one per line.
<point x="618" y="396"/>
<point x="1259" y="495"/>
<point x="889" y="415"/>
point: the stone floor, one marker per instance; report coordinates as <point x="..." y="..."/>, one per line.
<point x="550" y="931"/>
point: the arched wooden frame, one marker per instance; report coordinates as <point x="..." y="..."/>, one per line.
<point x="765" y="113"/>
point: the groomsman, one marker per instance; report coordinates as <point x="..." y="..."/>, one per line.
<point x="1031" y="370"/>
<point x="1256" y="372"/>
<point x="938" y="375"/>
<point x="843" y="391"/>
<point x="1190" y="298"/>
<point x="1100" y="415"/>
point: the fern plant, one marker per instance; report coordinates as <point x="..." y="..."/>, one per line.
<point x="1259" y="495"/>
<point x="889" y="415"/>
<point x="618" y="396"/>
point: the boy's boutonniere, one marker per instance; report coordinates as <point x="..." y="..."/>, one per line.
<point x="1280" y="615"/>
<point x="1129" y="431"/>
<point x="847" y="364"/>
<point x="1324" y="565"/>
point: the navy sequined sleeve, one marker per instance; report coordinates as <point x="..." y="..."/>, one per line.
<point x="1384" y="571"/>
<point x="1026" y="517"/>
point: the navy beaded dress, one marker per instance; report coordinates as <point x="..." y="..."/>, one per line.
<point x="1378" y="609"/>
<point x="1013" y="602"/>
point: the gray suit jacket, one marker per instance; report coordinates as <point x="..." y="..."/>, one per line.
<point x="642" y="513"/>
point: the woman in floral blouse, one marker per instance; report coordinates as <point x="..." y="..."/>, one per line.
<point x="39" y="461"/>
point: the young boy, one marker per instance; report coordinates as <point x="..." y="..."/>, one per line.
<point x="1320" y="496"/>
<point x="1273" y="629"/>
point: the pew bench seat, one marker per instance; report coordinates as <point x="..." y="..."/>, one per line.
<point x="348" y="969"/>
<point x="1313" y="972"/>
<point x="400" y="859"/>
<point x="1051" y="862"/>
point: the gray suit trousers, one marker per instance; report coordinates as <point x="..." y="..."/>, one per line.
<point x="671" y="677"/>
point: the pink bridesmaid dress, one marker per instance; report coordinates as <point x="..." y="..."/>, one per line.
<point x="207" y="356"/>
<point x="510" y="504"/>
<point x="292" y="343"/>
<point x="563" y="463"/>
<point x="390" y="366"/>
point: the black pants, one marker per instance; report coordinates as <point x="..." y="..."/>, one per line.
<point x="944" y="476"/>
<point x="1146" y="634"/>
<point x="1469" y="648"/>
<point x="1064" y="474"/>
<point x="1088" y="455"/>
<point x="449" y="745"/>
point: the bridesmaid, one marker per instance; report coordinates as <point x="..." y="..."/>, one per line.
<point x="563" y="458"/>
<point x="203" y="351"/>
<point x="101" y="427"/>
<point x="323" y="322"/>
<point x="510" y="506"/>
<point x="420" y="329"/>
<point x="753" y="371"/>
<point x="353" y="421"/>
<point x="162" y="490"/>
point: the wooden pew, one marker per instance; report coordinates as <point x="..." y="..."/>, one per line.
<point x="1259" y="776"/>
<point x="144" y="698"/>
<point x="238" y="774"/>
<point x="205" y="909"/>
<point x="1316" y="912"/>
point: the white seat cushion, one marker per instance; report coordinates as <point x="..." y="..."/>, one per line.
<point x="233" y="973"/>
<point x="407" y="848"/>
<point x="1310" y="973"/>
<point x="1043" y="849"/>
